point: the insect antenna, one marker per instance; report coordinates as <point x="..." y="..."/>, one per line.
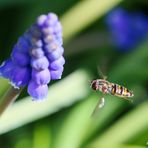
<point x="101" y="73"/>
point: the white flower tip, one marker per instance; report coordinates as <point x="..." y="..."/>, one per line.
<point x="41" y="19"/>
<point x="52" y="16"/>
<point x="14" y="85"/>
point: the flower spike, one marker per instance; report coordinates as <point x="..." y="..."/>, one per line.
<point x="37" y="57"/>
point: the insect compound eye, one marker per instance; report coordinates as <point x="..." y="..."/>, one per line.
<point x="94" y="85"/>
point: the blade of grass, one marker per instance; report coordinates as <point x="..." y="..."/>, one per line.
<point x="69" y="134"/>
<point x="83" y="14"/>
<point x="79" y="122"/>
<point x="126" y="128"/>
<point x="120" y="146"/>
<point x="42" y="136"/>
<point x="60" y="95"/>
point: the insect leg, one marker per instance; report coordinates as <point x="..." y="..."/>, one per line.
<point x="99" y="105"/>
<point x="130" y="100"/>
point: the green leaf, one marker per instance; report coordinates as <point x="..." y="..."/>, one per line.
<point x="79" y="125"/>
<point x="61" y="94"/>
<point x="119" y="146"/>
<point x="74" y="125"/>
<point x="126" y="128"/>
<point x="42" y="136"/>
<point x="83" y="14"/>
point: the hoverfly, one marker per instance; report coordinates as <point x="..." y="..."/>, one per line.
<point x="107" y="87"/>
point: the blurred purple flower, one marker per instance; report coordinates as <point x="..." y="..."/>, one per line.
<point x="126" y="29"/>
<point x="37" y="57"/>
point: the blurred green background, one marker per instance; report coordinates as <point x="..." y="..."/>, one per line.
<point x="63" y="120"/>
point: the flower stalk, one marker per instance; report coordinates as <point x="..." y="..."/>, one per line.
<point x="8" y="98"/>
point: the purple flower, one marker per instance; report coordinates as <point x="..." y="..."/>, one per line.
<point x="6" y="68"/>
<point x="41" y="77"/>
<point x="38" y="92"/>
<point x="37" y="57"/>
<point x="127" y="29"/>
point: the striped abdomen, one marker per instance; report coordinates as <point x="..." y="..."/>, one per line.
<point x="120" y="91"/>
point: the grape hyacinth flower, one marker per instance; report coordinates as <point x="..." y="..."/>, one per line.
<point x="127" y="29"/>
<point x="37" y="57"/>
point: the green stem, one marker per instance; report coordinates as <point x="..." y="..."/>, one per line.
<point x="8" y="98"/>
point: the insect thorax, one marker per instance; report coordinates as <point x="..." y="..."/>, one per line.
<point x="104" y="86"/>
